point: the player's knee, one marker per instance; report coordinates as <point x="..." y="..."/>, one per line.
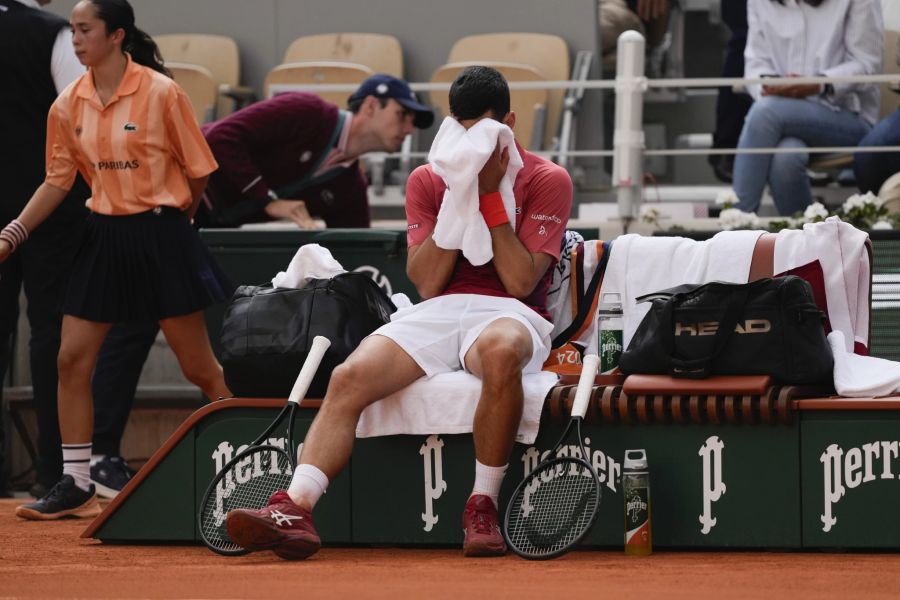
<point x="503" y="356"/>
<point x="346" y="381"/>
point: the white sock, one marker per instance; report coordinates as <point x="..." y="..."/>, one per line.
<point x="77" y="463"/>
<point x="488" y="481"/>
<point x="308" y="485"/>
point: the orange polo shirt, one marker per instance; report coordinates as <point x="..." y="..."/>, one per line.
<point x="137" y="152"/>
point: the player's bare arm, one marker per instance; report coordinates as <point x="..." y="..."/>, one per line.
<point x="519" y="270"/>
<point x="430" y="267"/>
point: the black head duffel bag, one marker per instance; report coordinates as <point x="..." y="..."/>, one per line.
<point x="766" y="327"/>
<point x="267" y="332"/>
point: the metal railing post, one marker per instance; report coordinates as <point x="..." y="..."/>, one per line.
<point x="628" y="139"/>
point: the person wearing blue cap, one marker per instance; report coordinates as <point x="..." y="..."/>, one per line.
<point x="296" y="156"/>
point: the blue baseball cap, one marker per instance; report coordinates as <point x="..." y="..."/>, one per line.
<point x="385" y="86"/>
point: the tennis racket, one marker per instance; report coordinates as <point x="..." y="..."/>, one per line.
<point x="255" y="473"/>
<point x="556" y="504"/>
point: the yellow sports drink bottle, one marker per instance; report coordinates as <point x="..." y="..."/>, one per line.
<point x="636" y="490"/>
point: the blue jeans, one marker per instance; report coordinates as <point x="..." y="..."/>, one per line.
<point x="873" y="168"/>
<point x="778" y="122"/>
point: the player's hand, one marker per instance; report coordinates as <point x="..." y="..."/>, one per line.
<point x="5" y="250"/>
<point x="649" y="10"/>
<point x="292" y="210"/>
<point x="493" y="171"/>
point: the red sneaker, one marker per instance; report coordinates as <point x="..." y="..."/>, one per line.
<point x="481" y="527"/>
<point x="280" y="526"/>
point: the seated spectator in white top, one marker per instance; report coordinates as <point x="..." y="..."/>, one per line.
<point x="794" y="38"/>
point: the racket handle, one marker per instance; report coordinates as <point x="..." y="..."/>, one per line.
<point x="316" y="351"/>
<point x="589" y="365"/>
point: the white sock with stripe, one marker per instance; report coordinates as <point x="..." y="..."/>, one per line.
<point x="77" y="463"/>
<point x="488" y="481"/>
<point x="307" y="485"/>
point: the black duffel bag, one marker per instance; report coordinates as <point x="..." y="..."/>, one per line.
<point x="267" y="332"/>
<point x="766" y="327"/>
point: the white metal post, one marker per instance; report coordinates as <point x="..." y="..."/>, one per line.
<point x="628" y="139"/>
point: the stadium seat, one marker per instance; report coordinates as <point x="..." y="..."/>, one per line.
<point x="530" y="105"/>
<point x="547" y="54"/>
<point x="318" y="72"/>
<point x="198" y="84"/>
<point x="380" y="53"/>
<point x="219" y="55"/>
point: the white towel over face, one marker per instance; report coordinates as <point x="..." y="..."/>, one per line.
<point x="457" y="156"/>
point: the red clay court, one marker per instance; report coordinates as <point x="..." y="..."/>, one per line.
<point x="50" y="560"/>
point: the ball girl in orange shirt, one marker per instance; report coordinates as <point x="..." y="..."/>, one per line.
<point x="129" y="129"/>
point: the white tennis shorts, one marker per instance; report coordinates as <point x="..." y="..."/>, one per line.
<point x="438" y="332"/>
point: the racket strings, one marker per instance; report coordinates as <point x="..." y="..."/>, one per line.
<point x="246" y="483"/>
<point x="554" y="508"/>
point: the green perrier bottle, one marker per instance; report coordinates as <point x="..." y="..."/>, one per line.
<point x="636" y="490"/>
<point x="609" y="331"/>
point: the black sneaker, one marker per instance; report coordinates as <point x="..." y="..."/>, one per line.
<point x="65" y="500"/>
<point x="110" y="475"/>
<point x="39" y="490"/>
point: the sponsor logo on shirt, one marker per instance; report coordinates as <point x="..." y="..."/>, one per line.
<point x="117" y="165"/>
<point x="130" y="127"/>
<point x="412" y="226"/>
<point x="538" y="217"/>
<point x="542" y="230"/>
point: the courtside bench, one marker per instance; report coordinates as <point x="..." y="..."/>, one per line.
<point x="745" y="465"/>
<point x="742" y="465"/>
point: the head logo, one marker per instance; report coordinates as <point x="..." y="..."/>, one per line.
<point x="130" y="127"/>
<point x="710" y="327"/>
<point x="713" y="486"/>
<point x="435" y="486"/>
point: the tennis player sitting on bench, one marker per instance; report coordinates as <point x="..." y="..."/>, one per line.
<point x="490" y="320"/>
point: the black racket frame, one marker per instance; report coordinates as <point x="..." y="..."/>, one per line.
<point x="290" y="409"/>
<point x="553" y="460"/>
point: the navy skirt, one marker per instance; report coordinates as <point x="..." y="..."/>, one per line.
<point x="148" y="266"/>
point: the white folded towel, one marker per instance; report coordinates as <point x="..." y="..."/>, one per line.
<point x="311" y="261"/>
<point x="457" y="156"/>
<point x="841" y="250"/>
<point x="446" y="403"/>
<point x="861" y="376"/>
